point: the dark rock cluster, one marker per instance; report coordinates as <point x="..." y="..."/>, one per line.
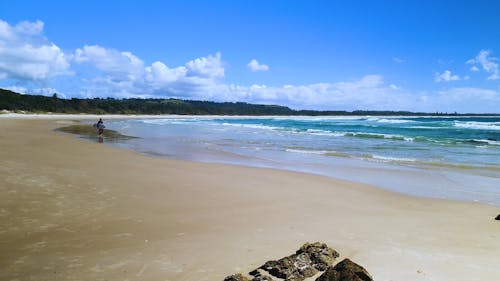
<point x="236" y="277"/>
<point x="498" y="218"/>
<point x="310" y="259"/>
<point x="306" y="262"/>
<point x="346" y="270"/>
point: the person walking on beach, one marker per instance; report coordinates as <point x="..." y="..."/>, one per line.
<point x="100" y="126"/>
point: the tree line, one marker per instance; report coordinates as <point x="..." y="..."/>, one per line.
<point x="16" y="102"/>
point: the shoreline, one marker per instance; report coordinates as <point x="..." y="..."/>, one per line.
<point x="374" y="167"/>
<point x="76" y="208"/>
<point x="242" y="166"/>
<point x="353" y="167"/>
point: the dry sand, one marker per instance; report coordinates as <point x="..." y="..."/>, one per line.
<point x="71" y="209"/>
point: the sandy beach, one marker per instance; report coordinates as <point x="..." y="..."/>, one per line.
<point x="72" y="209"/>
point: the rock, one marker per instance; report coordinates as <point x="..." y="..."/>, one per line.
<point x="257" y="276"/>
<point x="236" y="277"/>
<point x="262" y="278"/>
<point x="498" y="218"/>
<point x="291" y="268"/>
<point x="254" y="272"/>
<point x="345" y="270"/>
<point x="320" y="254"/>
<point x="303" y="264"/>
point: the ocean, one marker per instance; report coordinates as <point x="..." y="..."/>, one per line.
<point x="440" y="157"/>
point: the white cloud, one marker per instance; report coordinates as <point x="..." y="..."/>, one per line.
<point x="125" y="75"/>
<point x="29" y="28"/>
<point x="207" y="67"/>
<point x="369" y="92"/>
<point x="254" y="66"/>
<point x="467" y="100"/>
<point x="110" y="61"/>
<point x="470" y="93"/>
<point x="367" y="82"/>
<point x="17" y="89"/>
<point x="474" y="68"/>
<point x="446" y="76"/>
<point x="36" y="91"/>
<point x="487" y="62"/>
<point x="398" y="60"/>
<point x="25" y="54"/>
<point x="24" y="28"/>
<point x="160" y="74"/>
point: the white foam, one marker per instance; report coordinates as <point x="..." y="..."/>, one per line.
<point x="254" y="126"/>
<point x="424" y="127"/>
<point x="491" y="142"/>
<point x="322" y="118"/>
<point x="324" y="133"/>
<point x="393" y="121"/>
<point x="156" y="122"/>
<point x="393" y="159"/>
<point x="385" y="136"/>
<point x="166" y="121"/>
<point x="478" y="125"/>
<point x="302" y="151"/>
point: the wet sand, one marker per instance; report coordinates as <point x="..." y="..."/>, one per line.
<point x="72" y="209"/>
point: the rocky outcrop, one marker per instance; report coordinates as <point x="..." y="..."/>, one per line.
<point x="306" y="262"/>
<point x="292" y="268"/>
<point x="345" y="270"/>
<point x="498" y="218"/>
<point x="236" y="277"/>
<point x="320" y="254"/>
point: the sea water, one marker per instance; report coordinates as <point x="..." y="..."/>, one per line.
<point x="442" y="157"/>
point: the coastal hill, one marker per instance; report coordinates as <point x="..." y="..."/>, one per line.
<point x="16" y="102"/>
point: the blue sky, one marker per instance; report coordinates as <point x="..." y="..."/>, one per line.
<point x="383" y="55"/>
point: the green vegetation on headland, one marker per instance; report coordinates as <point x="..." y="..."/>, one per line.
<point x="12" y="101"/>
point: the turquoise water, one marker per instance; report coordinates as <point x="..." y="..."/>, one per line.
<point x="463" y="150"/>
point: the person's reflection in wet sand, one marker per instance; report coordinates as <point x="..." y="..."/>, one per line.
<point x="101" y="139"/>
